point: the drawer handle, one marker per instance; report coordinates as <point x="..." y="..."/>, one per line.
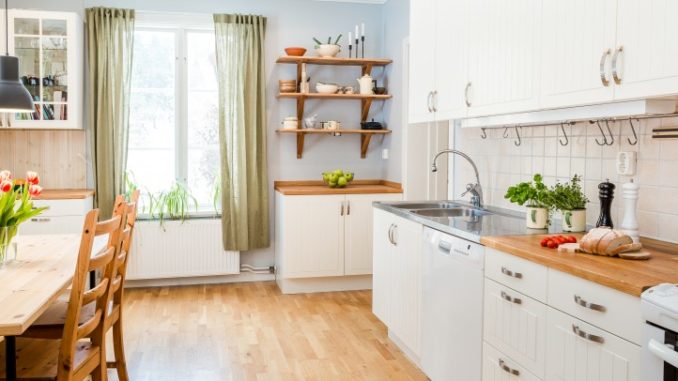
<point x="43" y="219"/>
<point x="445" y="246"/>
<point x="507" y="369"/>
<point x="587" y="336"/>
<point x="510" y="273"/>
<point x="508" y="298"/>
<point x="592" y="306"/>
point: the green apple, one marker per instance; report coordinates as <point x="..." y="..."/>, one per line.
<point x="339" y="172"/>
<point x="333" y="178"/>
<point x="349" y="176"/>
<point x="342" y="181"/>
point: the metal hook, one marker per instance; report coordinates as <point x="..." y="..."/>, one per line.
<point x="484" y="134"/>
<point x="604" y="142"/>
<point x="506" y="134"/>
<point x="635" y="136"/>
<point x="609" y="131"/>
<point x="567" y="140"/>
<point x="517" y="142"/>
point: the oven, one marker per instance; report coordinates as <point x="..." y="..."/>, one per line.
<point x="659" y="360"/>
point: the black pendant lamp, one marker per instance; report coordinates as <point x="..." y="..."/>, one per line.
<point x="14" y="97"/>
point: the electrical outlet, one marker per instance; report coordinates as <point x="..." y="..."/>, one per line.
<point x="384" y="154"/>
<point x="626" y="163"/>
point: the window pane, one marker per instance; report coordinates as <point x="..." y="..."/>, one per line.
<point x="151" y="154"/>
<point x="203" y="138"/>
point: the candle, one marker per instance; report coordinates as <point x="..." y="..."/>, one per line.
<point x="357" y="34"/>
<point x="350" y="39"/>
<point x="363" y="29"/>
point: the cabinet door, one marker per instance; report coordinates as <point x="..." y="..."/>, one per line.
<point x="504" y="60"/>
<point x="499" y="367"/>
<point x="405" y="283"/>
<point x="516" y="325"/>
<point x="358" y="229"/>
<point x="313" y="235"/>
<point x="382" y="254"/>
<point x="598" y="355"/>
<point x="576" y="37"/>
<point x="451" y="58"/>
<point x="421" y="65"/>
<point x="646" y="30"/>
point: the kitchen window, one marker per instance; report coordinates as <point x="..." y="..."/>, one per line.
<point x="173" y="134"/>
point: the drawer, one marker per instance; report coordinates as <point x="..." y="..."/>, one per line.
<point x="71" y="207"/>
<point x="580" y="351"/>
<point x="497" y="366"/>
<point x="604" y="307"/>
<point x="516" y="325"/>
<point x="53" y="225"/>
<point x="521" y="275"/>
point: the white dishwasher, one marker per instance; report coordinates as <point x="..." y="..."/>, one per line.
<point x="452" y="307"/>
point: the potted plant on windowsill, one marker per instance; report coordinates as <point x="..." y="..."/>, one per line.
<point x="174" y="204"/>
<point x="536" y="196"/>
<point x="570" y="200"/>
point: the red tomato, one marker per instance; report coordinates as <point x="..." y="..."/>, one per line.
<point x="571" y="239"/>
<point x="552" y="244"/>
<point x="544" y="242"/>
<point x="560" y="240"/>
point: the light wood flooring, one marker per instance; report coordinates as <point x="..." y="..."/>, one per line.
<point x="250" y="331"/>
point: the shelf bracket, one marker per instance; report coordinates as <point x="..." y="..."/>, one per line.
<point x="367" y="69"/>
<point x="365" y="109"/>
<point x="364" y="144"/>
<point x="300" y="120"/>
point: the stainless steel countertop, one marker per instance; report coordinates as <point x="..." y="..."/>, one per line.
<point x="500" y="222"/>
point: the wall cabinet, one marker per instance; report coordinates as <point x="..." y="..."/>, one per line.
<point x="49" y="46"/>
<point x="396" y="298"/>
<point x="321" y="236"/>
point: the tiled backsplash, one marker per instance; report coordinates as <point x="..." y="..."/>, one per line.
<point x="501" y="163"/>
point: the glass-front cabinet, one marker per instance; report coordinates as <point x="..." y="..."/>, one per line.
<point x="49" y="46"/>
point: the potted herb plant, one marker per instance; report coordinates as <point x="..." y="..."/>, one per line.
<point x="570" y="200"/>
<point x="536" y="196"/>
<point x="174" y="204"/>
<point x="328" y="49"/>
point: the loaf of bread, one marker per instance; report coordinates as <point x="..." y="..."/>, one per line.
<point x="606" y="241"/>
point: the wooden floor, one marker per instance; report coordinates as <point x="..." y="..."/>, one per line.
<point x="251" y="331"/>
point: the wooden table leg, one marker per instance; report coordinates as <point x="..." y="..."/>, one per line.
<point x="10" y="358"/>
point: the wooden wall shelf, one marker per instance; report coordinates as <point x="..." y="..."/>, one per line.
<point x="333" y="96"/>
<point x="334" y="61"/>
<point x="365" y="137"/>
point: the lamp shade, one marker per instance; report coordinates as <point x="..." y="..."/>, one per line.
<point x="14" y="97"/>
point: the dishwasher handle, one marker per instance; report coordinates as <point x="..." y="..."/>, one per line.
<point x="445" y="246"/>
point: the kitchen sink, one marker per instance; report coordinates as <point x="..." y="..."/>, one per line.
<point x="429" y="205"/>
<point x="451" y="212"/>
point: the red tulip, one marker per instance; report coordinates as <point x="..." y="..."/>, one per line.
<point x="32" y="178"/>
<point x="5" y="175"/>
<point x="35" y="190"/>
<point x="6" y="186"/>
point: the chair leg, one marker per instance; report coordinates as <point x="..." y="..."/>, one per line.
<point x="119" y="349"/>
<point x="99" y="373"/>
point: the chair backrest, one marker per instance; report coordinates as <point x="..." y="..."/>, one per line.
<point x="92" y="328"/>
<point x="120" y="272"/>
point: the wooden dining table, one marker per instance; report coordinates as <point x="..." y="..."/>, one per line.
<point x="42" y="271"/>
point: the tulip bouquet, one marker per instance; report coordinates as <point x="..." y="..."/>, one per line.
<point x="16" y="206"/>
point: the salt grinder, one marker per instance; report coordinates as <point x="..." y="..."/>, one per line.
<point x="629" y="224"/>
<point x="606" y="195"/>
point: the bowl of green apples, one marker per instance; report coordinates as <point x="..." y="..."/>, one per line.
<point x="337" y="178"/>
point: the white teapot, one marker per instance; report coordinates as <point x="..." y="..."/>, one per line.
<point x="366" y="85"/>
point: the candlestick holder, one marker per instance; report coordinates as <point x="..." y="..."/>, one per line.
<point x="350" y="48"/>
<point x="362" y="38"/>
<point x="357" y="46"/>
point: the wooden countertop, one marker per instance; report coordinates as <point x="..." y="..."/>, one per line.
<point x="311" y="187"/>
<point x="64" y="194"/>
<point x="629" y="276"/>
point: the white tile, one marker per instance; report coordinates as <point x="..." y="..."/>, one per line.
<point x="577" y="167"/>
<point x="538" y="146"/>
<point x="648" y="172"/>
<point x="578" y="144"/>
<point x="669" y="149"/>
<point x="593" y="169"/>
<point x="668" y="227"/>
<point x="550" y="146"/>
<point x="538" y="164"/>
<point x="648" y="224"/>
<point x="563" y="169"/>
<point x="593" y="150"/>
<point x="610" y="169"/>
<point x="526" y="165"/>
<point x="668" y="173"/>
<point x="648" y="200"/>
<point x="550" y="166"/>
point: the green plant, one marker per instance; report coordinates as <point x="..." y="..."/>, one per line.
<point x="216" y="195"/>
<point x="569" y="196"/>
<point x="130" y="185"/>
<point x="173" y="204"/>
<point x="329" y="41"/>
<point x="534" y="194"/>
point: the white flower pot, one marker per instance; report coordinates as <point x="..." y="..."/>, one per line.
<point x="327" y="50"/>
<point x="537" y="218"/>
<point x="574" y="220"/>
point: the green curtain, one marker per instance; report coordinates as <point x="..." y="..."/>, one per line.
<point x="110" y="39"/>
<point x="242" y="131"/>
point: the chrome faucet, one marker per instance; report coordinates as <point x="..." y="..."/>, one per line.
<point x="475" y="189"/>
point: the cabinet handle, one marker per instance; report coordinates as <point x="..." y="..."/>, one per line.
<point x="43" y="219"/>
<point x="434" y="101"/>
<point x="603" y="76"/>
<point x="592" y="306"/>
<point x="348" y="208"/>
<point x="615" y="72"/>
<point x="507" y="369"/>
<point x="510" y="273"/>
<point x="508" y="298"/>
<point x="390" y="234"/>
<point x="587" y="336"/>
<point x="428" y="101"/>
<point x="468" y="102"/>
<point x="394" y="233"/>
<point x="342" y="208"/>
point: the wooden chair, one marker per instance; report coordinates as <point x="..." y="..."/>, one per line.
<point x="52" y="322"/>
<point x="81" y="351"/>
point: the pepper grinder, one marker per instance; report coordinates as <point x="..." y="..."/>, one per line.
<point x="629" y="224"/>
<point x="606" y="195"/>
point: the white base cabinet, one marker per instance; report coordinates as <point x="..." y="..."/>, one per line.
<point x="65" y="216"/>
<point x="320" y="236"/>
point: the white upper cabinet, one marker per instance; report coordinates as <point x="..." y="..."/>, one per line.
<point x="50" y="52"/>
<point x="421" y="65"/>
<point x="646" y="50"/>
<point x="577" y="46"/>
<point x="503" y="58"/>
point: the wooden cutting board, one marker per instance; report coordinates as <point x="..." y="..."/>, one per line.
<point x="636" y="255"/>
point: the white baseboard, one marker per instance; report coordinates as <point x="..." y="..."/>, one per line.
<point x="238" y="278"/>
<point x="327" y="284"/>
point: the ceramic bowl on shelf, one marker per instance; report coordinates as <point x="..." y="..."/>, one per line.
<point x="288" y="85"/>
<point x="295" y="51"/>
<point x="326" y="88"/>
<point x="328" y="50"/>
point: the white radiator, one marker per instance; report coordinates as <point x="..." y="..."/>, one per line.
<point x="191" y="249"/>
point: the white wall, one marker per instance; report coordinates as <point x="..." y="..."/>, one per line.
<point x="502" y="164"/>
